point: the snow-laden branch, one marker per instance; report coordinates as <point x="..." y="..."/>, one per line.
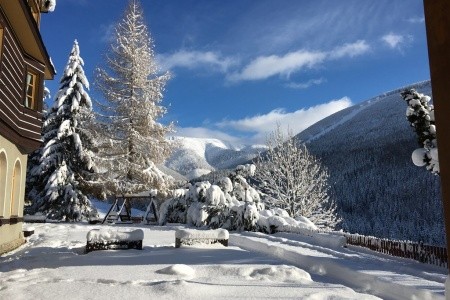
<point x="420" y="114"/>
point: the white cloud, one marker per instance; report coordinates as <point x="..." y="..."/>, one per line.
<point x="254" y="130"/>
<point x="195" y="59"/>
<point x="349" y="50"/>
<point x="107" y="32"/>
<point x="305" y="85"/>
<point x="416" y="20"/>
<point x="261" y="125"/>
<point x="202" y="132"/>
<point x="396" y="41"/>
<point x="264" y="67"/>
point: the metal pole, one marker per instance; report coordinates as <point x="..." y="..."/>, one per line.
<point x="438" y="37"/>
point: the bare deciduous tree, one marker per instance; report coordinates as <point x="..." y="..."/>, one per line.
<point x="295" y="180"/>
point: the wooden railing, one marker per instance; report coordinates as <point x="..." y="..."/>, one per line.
<point x="428" y="254"/>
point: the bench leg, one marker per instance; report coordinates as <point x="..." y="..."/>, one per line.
<point x="224" y="242"/>
<point x="177" y="243"/>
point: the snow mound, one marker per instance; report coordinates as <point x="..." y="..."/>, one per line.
<point x="219" y="234"/>
<point x="178" y="269"/>
<point x="281" y="274"/>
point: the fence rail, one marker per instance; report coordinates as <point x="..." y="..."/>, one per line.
<point x="433" y="255"/>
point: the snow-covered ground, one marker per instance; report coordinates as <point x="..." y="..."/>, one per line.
<point x="53" y="265"/>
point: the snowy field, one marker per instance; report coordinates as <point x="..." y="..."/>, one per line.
<point x="53" y="265"/>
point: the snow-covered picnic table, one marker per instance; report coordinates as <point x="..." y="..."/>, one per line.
<point x="191" y="236"/>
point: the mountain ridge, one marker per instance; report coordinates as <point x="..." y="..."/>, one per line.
<point x="379" y="191"/>
<point x="199" y="156"/>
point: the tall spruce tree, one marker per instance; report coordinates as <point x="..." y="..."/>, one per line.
<point x="65" y="161"/>
<point x="132" y="139"/>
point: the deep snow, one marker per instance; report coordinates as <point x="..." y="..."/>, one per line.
<point x="52" y="265"/>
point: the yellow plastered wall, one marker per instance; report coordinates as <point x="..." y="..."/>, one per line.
<point x="12" y="190"/>
<point x="12" y="182"/>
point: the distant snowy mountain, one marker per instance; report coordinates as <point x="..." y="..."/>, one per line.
<point x="198" y="156"/>
<point x="367" y="150"/>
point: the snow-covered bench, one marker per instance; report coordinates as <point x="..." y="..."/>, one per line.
<point x="104" y="239"/>
<point x="191" y="236"/>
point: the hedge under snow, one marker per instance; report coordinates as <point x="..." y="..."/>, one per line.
<point x="230" y="204"/>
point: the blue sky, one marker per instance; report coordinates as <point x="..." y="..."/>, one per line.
<point x="239" y="67"/>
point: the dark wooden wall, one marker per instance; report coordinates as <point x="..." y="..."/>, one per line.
<point x="19" y="124"/>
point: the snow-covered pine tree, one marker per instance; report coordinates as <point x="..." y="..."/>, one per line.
<point x="420" y="114"/>
<point x="133" y="140"/>
<point x="34" y="160"/>
<point x="65" y="161"/>
<point x="294" y="180"/>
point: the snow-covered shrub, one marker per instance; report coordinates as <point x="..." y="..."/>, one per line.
<point x="219" y="217"/>
<point x="197" y="191"/>
<point x="215" y="196"/>
<point x="225" y="184"/>
<point x="251" y="216"/>
<point x="420" y="114"/>
<point x="278" y="220"/>
<point x="231" y="204"/>
<point x="219" y="203"/>
<point x="197" y="214"/>
<point x="174" y="210"/>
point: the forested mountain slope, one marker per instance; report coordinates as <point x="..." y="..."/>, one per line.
<point x="367" y="150"/>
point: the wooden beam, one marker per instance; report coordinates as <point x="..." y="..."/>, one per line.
<point x="438" y="37"/>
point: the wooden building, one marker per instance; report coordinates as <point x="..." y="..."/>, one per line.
<point x="24" y="64"/>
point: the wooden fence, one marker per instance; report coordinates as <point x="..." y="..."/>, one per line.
<point x="433" y="255"/>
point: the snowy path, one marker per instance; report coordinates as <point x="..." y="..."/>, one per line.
<point x="360" y="269"/>
<point x="52" y="265"/>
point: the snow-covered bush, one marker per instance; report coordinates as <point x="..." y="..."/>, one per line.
<point x="420" y="114"/>
<point x="231" y="204"/>
<point x="173" y="210"/>
<point x="278" y="220"/>
<point x="196" y="214"/>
